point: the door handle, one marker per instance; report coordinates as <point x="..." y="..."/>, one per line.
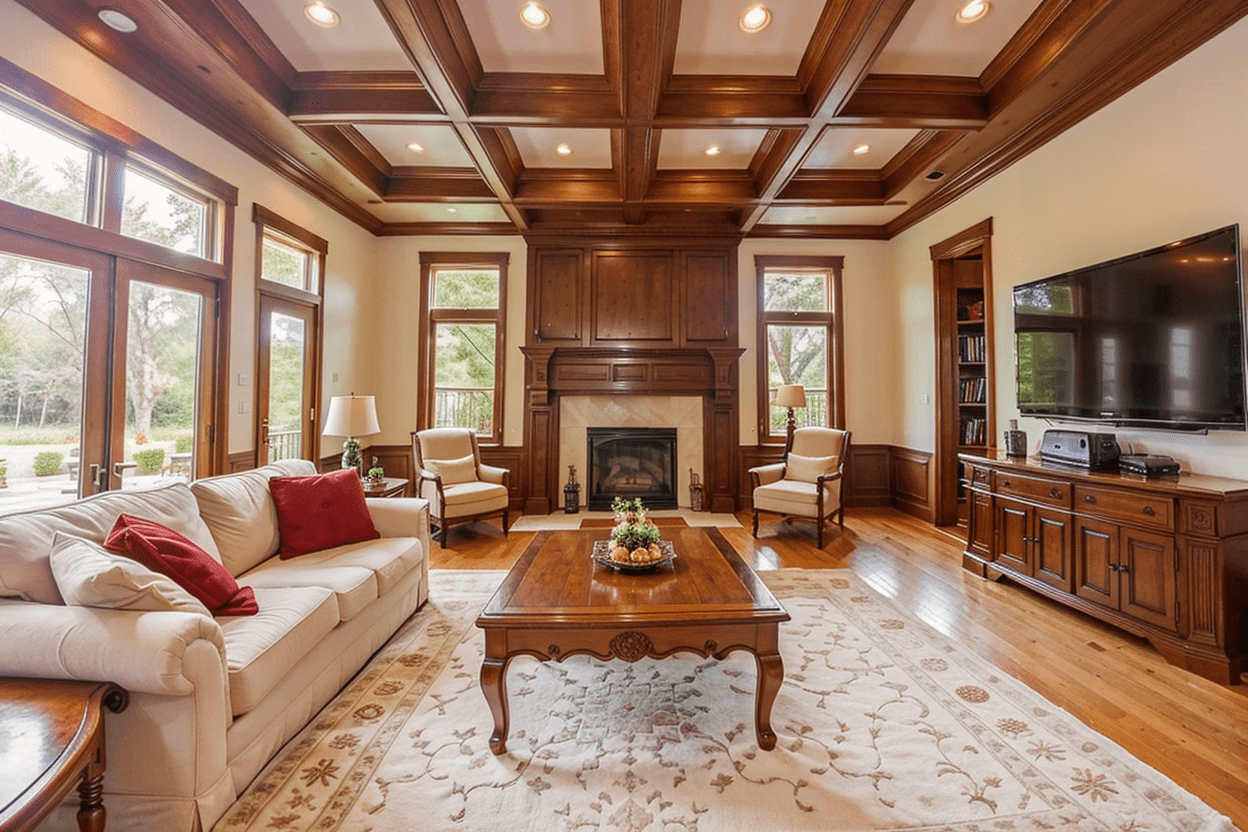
<point x="99" y="477"/>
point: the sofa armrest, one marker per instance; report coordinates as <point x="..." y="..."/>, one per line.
<point x="170" y="653"/>
<point x="766" y="474"/>
<point x="492" y="473"/>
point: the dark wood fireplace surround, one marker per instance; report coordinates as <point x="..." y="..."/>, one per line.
<point x="629" y="317"/>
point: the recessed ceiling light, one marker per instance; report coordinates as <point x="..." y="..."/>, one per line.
<point x="861" y="149"/>
<point x="755" y="19"/>
<point x="564" y="150"/>
<point x="321" y="15"/>
<point x="117" y="20"/>
<point x="934" y="175"/>
<point x="416" y="147"/>
<point x="534" y="15"/>
<point x="972" y="11"/>
<point x="713" y="150"/>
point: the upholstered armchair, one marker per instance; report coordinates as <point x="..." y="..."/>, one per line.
<point x="808" y="482"/>
<point x="451" y="476"/>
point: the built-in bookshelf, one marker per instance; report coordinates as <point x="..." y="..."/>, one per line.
<point x="972" y="377"/>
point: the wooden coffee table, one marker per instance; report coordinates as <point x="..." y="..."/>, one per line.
<point x="556" y="602"/>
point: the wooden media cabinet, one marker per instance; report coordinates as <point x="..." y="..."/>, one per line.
<point x="1165" y="558"/>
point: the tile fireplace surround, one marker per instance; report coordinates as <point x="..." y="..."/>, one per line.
<point x="576" y="413"/>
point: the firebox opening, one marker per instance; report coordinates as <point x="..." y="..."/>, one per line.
<point x="631" y="462"/>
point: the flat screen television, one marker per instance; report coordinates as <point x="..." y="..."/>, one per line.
<point x="1151" y="340"/>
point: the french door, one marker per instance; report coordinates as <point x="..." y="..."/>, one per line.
<point x="106" y="373"/>
<point x="286" y="374"/>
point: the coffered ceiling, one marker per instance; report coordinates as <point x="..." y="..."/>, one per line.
<point x="638" y="90"/>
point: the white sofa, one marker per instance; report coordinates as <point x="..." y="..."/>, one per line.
<point x="211" y="699"/>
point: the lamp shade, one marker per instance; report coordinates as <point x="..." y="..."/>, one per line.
<point x="351" y="416"/>
<point x="790" y="395"/>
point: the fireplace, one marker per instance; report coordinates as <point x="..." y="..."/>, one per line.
<point x="631" y="462"/>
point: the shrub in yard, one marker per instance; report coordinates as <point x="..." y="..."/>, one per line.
<point x="48" y="463"/>
<point x="150" y="461"/>
<point x="183" y="444"/>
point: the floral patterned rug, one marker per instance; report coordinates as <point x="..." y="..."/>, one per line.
<point x="882" y="723"/>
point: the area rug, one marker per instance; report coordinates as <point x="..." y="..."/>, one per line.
<point x="563" y="520"/>
<point x="882" y="723"/>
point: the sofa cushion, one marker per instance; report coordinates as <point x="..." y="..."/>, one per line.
<point x="239" y="512"/>
<point x="453" y="471"/>
<point x="320" y="512"/>
<point x="163" y="550"/>
<point x="89" y="575"/>
<point x="262" y="648"/>
<point x="355" y="587"/>
<point x="26" y="537"/>
<point x="472" y="498"/>
<point x="794" y="497"/>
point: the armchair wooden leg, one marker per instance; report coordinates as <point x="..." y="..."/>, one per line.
<point x="756" y="522"/>
<point x="505" y="516"/>
<point x="820" y="524"/>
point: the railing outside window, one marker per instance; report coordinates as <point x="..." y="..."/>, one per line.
<point x="284" y="444"/>
<point x="464" y="407"/>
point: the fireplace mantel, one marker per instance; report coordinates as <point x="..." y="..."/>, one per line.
<point x="552" y="371"/>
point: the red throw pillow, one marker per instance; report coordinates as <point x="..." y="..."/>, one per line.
<point x="165" y="551"/>
<point x="320" y="512"/>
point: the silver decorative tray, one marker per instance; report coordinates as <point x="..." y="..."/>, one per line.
<point x="602" y="557"/>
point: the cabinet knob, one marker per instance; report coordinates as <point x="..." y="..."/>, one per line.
<point x="1148" y="511"/>
<point x="1006" y="484"/>
<point x="1089" y="498"/>
<point x="1055" y="493"/>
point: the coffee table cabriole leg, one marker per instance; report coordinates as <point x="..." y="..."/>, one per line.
<point x="494" y="686"/>
<point x="770" y="677"/>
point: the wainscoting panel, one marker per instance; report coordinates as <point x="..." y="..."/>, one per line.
<point x="911" y="482"/>
<point x="867" y="476"/>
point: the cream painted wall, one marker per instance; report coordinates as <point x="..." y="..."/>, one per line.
<point x="39" y="49"/>
<point x="398" y="332"/>
<point x="1161" y="163"/>
<point x="871" y="343"/>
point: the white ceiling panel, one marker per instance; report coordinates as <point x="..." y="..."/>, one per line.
<point x="836" y="147"/>
<point x="439" y="212"/>
<point x="930" y="41"/>
<point x="570" y="43"/>
<point x="681" y="149"/>
<point x="537" y="145"/>
<point x="836" y="215"/>
<point x="361" y="41"/>
<point x="441" y="145"/>
<point x="711" y="42"/>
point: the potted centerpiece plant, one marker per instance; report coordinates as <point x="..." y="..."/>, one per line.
<point x="635" y="537"/>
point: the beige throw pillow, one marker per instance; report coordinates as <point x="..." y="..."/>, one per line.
<point x="807" y="468"/>
<point x="454" y="470"/>
<point x="88" y="575"/>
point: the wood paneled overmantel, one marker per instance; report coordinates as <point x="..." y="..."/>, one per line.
<point x="553" y="371"/>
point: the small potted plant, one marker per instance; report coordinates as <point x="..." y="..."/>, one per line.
<point x="375" y="474"/>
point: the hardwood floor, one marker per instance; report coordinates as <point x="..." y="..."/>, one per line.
<point x="1193" y="730"/>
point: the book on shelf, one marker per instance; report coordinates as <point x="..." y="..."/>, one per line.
<point x="974" y="431"/>
<point x="973" y="390"/>
<point x="972" y="347"/>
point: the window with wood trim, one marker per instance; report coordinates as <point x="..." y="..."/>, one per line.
<point x="464" y="303"/>
<point x="289" y="264"/>
<point x="799" y="341"/>
<point x="113" y="268"/>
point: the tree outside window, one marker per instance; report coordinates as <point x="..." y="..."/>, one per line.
<point x="465" y="301"/>
<point x="799" y="340"/>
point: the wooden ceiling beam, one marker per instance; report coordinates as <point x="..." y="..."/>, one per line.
<point x="437" y="184"/>
<point x="434" y="36"/>
<point x="833" y="187"/>
<point x="923" y="101"/>
<point x="849" y="36"/>
<point x="361" y="97"/>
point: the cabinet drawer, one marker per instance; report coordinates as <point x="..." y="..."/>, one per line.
<point x="1049" y="492"/>
<point x="981" y="478"/>
<point x="1138" y="509"/>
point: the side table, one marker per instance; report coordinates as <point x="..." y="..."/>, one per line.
<point x="51" y="738"/>
<point x="388" y="487"/>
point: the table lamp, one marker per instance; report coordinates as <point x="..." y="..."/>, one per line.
<point x="790" y="396"/>
<point x="352" y="416"/>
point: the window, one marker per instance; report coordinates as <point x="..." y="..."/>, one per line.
<point x="799" y="340"/>
<point x="160" y="211"/>
<point x="465" y="299"/>
<point x="111" y="361"/>
<point x="289" y="261"/>
<point x="44" y="170"/>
